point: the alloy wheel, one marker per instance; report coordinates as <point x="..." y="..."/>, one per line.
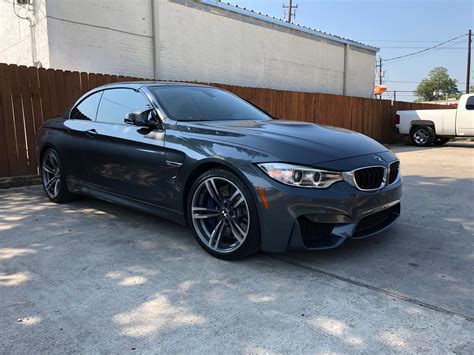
<point x="422" y="136"/>
<point x="220" y="214"/>
<point x="51" y="175"/>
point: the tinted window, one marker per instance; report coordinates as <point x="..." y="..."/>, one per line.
<point x="117" y="103"/>
<point x="87" y="109"/>
<point x="196" y="103"/>
<point x="470" y="103"/>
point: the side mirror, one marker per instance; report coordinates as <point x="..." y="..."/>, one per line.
<point x="145" y="118"/>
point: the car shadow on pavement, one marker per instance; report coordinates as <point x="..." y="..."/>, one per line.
<point x="428" y="249"/>
<point x="90" y="276"/>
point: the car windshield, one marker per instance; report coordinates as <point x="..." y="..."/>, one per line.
<point x="196" y="103"/>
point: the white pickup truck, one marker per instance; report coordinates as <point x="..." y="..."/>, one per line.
<point x="427" y="127"/>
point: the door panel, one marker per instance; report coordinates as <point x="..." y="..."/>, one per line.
<point x="70" y="152"/>
<point x="122" y="158"/>
<point x="126" y="160"/>
<point x="465" y="116"/>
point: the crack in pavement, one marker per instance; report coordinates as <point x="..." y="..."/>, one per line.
<point x="372" y="288"/>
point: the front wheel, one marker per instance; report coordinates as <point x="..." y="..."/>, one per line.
<point x="223" y="215"/>
<point x="422" y="136"/>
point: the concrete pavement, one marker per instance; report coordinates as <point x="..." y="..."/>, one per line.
<point x="92" y="277"/>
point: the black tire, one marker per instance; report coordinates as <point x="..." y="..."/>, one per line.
<point x="422" y="136"/>
<point x="60" y="192"/>
<point x="441" y="141"/>
<point x="199" y="193"/>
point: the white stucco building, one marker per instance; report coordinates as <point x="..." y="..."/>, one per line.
<point x="192" y="40"/>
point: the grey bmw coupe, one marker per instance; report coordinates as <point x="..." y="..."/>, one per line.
<point x="201" y="156"/>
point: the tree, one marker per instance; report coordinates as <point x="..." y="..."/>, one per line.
<point x="471" y="88"/>
<point x="436" y="86"/>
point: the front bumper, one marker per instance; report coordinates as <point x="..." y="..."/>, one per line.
<point x="307" y="234"/>
<point x="312" y="219"/>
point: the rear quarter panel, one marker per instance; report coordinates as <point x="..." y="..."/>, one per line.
<point x="56" y="134"/>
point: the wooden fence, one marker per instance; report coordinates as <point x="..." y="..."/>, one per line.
<point x="29" y="96"/>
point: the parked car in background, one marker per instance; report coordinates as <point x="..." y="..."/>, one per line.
<point x="427" y="127"/>
<point x="201" y="156"/>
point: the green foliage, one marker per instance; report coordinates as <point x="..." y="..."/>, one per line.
<point x="436" y="86"/>
<point x="471" y="88"/>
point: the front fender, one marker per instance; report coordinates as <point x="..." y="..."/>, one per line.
<point x="194" y="154"/>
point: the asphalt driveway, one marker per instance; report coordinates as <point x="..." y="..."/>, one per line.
<point x="92" y="277"/>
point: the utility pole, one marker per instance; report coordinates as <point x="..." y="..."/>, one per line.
<point x="380" y="70"/>
<point x="291" y="12"/>
<point x="379" y="66"/>
<point x="468" y="76"/>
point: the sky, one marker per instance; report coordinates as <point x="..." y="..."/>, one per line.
<point x="393" y="26"/>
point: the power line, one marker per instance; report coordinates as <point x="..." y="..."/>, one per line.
<point x="414" y="82"/>
<point x="401" y="46"/>
<point x="426" y="49"/>
<point x="401" y="81"/>
<point x="423" y="47"/>
<point x="97" y="26"/>
<point x="396" y="41"/>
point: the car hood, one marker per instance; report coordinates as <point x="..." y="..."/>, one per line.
<point x="290" y="141"/>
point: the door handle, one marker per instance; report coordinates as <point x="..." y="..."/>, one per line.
<point x="91" y="132"/>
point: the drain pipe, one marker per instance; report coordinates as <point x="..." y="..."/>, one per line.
<point x="31" y="21"/>
<point x="346" y="68"/>
<point x="154" y="24"/>
<point x="34" y="55"/>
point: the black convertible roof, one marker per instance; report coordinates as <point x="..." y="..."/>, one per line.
<point x="139" y="84"/>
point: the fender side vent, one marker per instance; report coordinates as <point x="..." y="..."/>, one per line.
<point x="315" y="235"/>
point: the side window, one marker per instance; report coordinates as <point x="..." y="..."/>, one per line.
<point x="87" y="109"/>
<point x="470" y="103"/>
<point x="117" y="103"/>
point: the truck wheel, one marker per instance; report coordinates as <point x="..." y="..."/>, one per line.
<point x="422" y="136"/>
<point x="441" y="141"/>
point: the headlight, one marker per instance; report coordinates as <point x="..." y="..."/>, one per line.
<point x="302" y="176"/>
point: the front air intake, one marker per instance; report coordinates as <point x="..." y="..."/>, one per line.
<point x="375" y="222"/>
<point x="315" y="235"/>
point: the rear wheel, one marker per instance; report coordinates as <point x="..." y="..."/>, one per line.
<point x="223" y="216"/>
<point x="53" y="178"/>
<point x="422" y="136"/>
